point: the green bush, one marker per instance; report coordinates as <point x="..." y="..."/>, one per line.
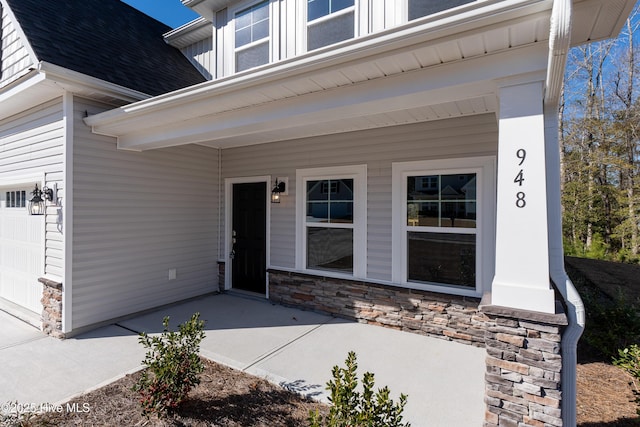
<point x="173" y="366"/>
<point x="351" y="408"/>
<point x="629" y="360"/>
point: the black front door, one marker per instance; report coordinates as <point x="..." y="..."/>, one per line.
<point x="249" y="225"/>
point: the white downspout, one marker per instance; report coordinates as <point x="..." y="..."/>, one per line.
<point x="559" y="43"/>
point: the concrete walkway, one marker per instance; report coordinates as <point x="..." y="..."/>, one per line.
<point x="293" y="348"/>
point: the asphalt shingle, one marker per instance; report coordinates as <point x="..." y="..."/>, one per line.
<point x="106" y="39"/>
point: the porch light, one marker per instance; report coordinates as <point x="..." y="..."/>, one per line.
<point x="37" y="202"/>
<point x="277" y="189"/>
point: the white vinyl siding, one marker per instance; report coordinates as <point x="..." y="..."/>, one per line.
<point x="136" y="215"/>
<point x="32" y="144"/>
<point x="377" y="148"/>
<point x="200" y="55"/>
<point x="14" y="58"/>
<point x="31" y="151"/>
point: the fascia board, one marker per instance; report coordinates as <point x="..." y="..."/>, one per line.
<point x="72" y="79"/>
<point x="333" y="57"/>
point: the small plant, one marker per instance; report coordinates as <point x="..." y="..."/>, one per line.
<point x="629" y="360"/>
<point x="351" y="408"/>
<point x="173" y="366"/>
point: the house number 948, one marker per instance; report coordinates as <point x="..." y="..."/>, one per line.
<point x="521" y="154"/>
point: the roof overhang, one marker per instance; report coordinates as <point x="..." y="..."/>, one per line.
<point x="48" y="81"/>
<point x="426" y="70"/>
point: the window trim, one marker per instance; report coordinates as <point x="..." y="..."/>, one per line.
<point x="484" y="168"/>
<point x="273" y="38"/>
<point x="359" y="226"/>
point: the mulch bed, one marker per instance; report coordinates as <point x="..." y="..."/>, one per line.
<point x="225" y="397"/>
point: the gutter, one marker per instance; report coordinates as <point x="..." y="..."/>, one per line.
<point x="559" y="43"/>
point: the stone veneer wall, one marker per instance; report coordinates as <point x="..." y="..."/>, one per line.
<point x="450" y="317"/>
<point x="524" y="364"/>
<point x="51" y="307"/>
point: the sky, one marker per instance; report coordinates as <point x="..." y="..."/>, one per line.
<point x="171" y="12"/>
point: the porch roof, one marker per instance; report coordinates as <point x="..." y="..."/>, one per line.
<point x="429" y="69"/>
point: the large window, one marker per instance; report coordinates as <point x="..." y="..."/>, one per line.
<point x="419" y="8"/>
<point x="331" y="220"/>
<point x="442" y="227"/>
<point x="329" y="22"/>
<point x="252" y="45"/>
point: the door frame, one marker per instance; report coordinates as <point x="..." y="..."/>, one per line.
<point x="228" y="226"/>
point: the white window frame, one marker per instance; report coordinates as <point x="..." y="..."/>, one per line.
<point x="273" y="38"/>
<point x="484" y="168"/>
<point x="358" y="8"/>
<point x="359" y="175"/>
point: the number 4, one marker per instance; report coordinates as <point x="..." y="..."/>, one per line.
<point x="519" y="178"/>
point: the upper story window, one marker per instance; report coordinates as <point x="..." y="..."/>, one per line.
<point x="252" y="41"/>
<point x="419" y="8"/>
<point x="329" y="22"/>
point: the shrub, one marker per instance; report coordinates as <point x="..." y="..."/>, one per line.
<point x="351" y="408"/>
<point x="629" y="360"/>
<point x="173" y="366"/>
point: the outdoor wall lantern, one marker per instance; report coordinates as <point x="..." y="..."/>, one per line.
<point x="37" y="202"/>
<point x="277" y="191"/>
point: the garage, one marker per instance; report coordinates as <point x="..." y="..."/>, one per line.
<point x="21" y="250"/>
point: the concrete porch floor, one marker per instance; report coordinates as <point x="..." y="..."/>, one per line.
<point x="293" y="348"/>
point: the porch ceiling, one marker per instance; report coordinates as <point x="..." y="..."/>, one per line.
<point x="427" y="70"/>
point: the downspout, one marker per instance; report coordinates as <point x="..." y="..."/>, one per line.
<point x="559" y="43"/>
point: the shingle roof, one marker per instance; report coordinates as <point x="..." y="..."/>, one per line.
<point x="106" y="39"/>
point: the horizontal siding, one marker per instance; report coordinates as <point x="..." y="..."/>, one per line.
<point x="135" y="216"/>
<point x="32" y="142"/>
<point x="378" y="148"/>
<point x="14" y="58"/>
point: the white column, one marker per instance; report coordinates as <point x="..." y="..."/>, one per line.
<point x="522" y="256"/>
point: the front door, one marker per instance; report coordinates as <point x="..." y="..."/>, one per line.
<point x="249" y="234"/>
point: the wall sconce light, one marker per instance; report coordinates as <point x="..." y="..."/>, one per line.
<point x="278" y="189"/>
<point x="37" y="202"/>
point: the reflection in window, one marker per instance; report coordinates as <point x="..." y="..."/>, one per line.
<point x="442" y="200"/>
<point x="330" y="249"/>
<point x="441" y="243"/>
<point x="330" y="201"/>
<point x="442" y="258"/>
<point x="329" y="22"/>
<point x="420" y="8"/>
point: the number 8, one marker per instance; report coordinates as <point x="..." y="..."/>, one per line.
<point x="521" y="202"/>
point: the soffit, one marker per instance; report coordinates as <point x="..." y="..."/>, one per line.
<point x="251" y="107"/>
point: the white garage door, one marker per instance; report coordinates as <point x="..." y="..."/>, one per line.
<point x="21" y="250"/>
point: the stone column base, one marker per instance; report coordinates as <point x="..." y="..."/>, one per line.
<point x="524" y="363"/>
<point x="51" y="307"/>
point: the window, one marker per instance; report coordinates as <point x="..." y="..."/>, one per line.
<point x="15" y="199"/>
<point x="331" y="220"/>
<point x="252" y="45"/>
<point x="441" y="235"/>
<point x="419" y="8"/>
<point x="329" y="22"/>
